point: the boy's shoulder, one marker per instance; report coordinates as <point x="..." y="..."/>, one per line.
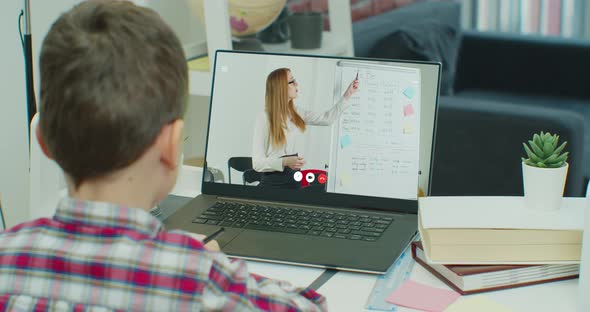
<point x="28" y="225"/>
<point x="174" y="239"/>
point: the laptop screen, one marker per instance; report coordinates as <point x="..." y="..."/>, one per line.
<point x="321" y="130"/>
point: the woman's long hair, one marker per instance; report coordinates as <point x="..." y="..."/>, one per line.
<point x="279" y="107"/>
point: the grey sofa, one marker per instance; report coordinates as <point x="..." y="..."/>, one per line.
<point x="497" y="90"/>
<point x="479" y="144"/>
<point x="528" y="72"/>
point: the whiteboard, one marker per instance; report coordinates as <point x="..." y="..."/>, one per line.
<point x="374" y="146"/>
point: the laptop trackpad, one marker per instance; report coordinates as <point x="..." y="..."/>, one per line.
<point x="306" y="249"/>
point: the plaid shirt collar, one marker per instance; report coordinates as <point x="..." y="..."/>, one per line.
<point x="107" y="215"/>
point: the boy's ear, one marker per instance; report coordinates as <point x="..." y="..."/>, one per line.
<point x="42" y="143"/>
<point x="171" y="143"/>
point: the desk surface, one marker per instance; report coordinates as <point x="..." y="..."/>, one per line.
<point x="348" y="291"/>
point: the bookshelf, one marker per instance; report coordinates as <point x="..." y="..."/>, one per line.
<point x="337" y="41"/>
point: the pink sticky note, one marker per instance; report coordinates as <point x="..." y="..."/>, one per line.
<point x="422" y="297"/>
<point x="408" y="110"/>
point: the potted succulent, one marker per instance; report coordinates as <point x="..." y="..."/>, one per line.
<point x="544" y="171"/>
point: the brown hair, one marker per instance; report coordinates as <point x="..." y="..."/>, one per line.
<point x="112" y="75"/>
<point x="279" y="107"/>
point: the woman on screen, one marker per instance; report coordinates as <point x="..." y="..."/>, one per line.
<point x="278" y="134"/>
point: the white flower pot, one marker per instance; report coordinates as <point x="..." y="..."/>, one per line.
<point x="543" y="187"/>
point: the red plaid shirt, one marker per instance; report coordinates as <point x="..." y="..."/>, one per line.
<point x="101" y="256"/>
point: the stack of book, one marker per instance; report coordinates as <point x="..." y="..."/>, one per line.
<point x="477" y="244"/>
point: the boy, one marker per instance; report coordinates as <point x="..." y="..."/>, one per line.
<point x="113" y="93"/>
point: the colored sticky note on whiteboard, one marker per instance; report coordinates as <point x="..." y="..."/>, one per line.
<point x="408" y="110"/>
<point x="344" y="178"/>
<point x="422" y="297"/>
<point x="409" y="92"/>
<point x="345" y="141"/>
<point x="408" y="128"/>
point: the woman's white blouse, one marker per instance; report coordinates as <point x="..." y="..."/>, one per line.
<point x="265" y="158"/>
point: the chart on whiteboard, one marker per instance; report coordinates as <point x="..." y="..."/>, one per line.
<point x="375" y="143"/>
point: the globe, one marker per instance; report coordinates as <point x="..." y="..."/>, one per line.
<point x="247" y="17"/>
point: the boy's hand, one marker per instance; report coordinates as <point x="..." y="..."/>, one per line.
<point x="211" y="245"/>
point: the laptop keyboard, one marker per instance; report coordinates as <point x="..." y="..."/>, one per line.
<point x="312" y="222"/>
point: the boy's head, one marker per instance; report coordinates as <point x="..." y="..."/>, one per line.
<point x="113" y="78"/>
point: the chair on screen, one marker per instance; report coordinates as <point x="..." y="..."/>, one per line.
<point x="244" y="165"/>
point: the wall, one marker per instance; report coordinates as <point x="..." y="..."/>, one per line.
<point x="13" y="135"/>
<point x="188" y="27"/>
<point x="175" y="12"/>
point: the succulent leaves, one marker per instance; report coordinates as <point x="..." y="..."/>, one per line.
<point x="543" y="151"/>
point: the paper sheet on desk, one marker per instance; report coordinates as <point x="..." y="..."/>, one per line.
<point x="419" y="296"/>
<point x="478" y="303"/>
<point x="296" y="275"/>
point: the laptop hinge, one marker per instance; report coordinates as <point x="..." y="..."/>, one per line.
<point x="298" y="205"/>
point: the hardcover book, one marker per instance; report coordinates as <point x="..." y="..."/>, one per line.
<point x="499" y="230"/>
<point x="471" y="279"/>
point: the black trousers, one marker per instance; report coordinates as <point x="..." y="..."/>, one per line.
<point x="285" y="180"/>
<point x="281" y="180"/>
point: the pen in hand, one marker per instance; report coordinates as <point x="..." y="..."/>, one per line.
<point x="213" y="236"/>
<point x="357" y="75"/>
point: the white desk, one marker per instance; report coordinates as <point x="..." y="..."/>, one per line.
<point x="349" y="291"/>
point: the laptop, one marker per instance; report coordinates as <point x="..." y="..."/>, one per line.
<point x="353" y="204"/>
